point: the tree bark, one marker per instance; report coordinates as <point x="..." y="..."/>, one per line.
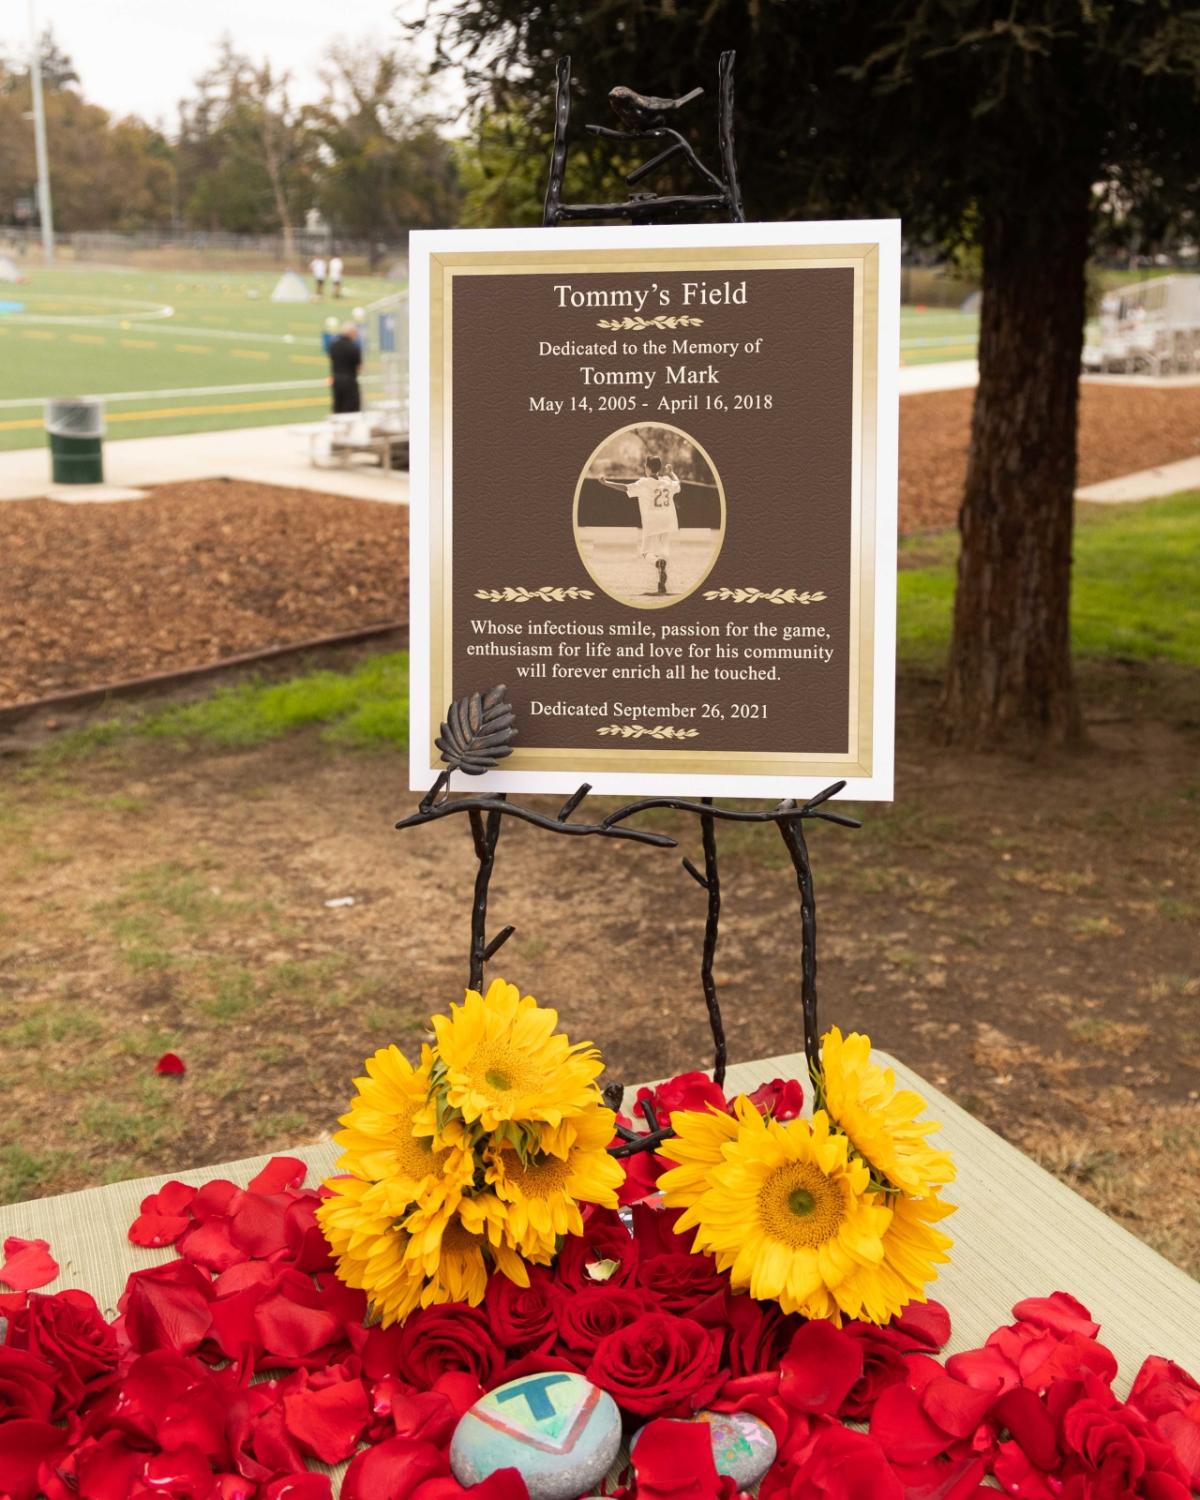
<point x="1009" y="676"/>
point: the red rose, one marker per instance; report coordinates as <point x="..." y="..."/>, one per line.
<point x="1111" y="1451"/>
<point x="757" y="1333"/>
<point x="659" y="1366"/>
<point x="605" y="1254"/>
<point x="522" y="1318"/>
<point x="1169" y="1398"/>
<point x="26" y="1386"/>
<point x="668" y="1270"/>
<point x="884" y="1364"/>
<point x="782" y="1098"/>
<point x="69" y="1333"/>
<point x="449" y="1336"/>
<point x="584" y="1318"/>
<point x="692" y="1091"/>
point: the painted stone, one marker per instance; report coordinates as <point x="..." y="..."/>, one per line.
<point x="559" y="1430"/>
<point x="743" y="1446"/>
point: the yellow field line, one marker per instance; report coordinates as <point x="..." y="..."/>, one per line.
<point x="249" y="354"/>
<point x="85" y="338"/>
<point x="193" y="348"/>
<point x="25" y="424"/>
<point x="138" y="344"/>
<point x="35" y="333"/>
<point x="306" y="359"/>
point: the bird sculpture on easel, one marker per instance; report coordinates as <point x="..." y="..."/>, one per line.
<point x="638" y="112"/>
<point x="644" y="118"/>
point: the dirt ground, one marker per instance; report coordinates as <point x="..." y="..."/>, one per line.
<point x="1026" y="938"/>
<point x="202" y="571"/>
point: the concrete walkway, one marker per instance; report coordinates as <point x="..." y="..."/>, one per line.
<point x="1147" y="484"/>
<point x="265" y="455"/>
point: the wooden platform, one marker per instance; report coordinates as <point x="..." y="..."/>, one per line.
<point x="1018" y="1233"/>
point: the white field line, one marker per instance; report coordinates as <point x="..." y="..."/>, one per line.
<point x="190" y="390"/>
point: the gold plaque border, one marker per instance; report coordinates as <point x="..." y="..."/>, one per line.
<point x="863" y="260"/>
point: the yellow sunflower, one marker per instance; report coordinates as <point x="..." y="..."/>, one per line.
<point x="786" y="1211"/>
<point x="882" y="1124"/>
<point x="453" y="1259"/>
<point x="542" y="1191"/>
<point x="697" y="1146"/>
<point x="389" y="1134"/>
<point x="371" y="1250"/>
<point x="499" y="1059"/>
<point x="912" y="1251"/>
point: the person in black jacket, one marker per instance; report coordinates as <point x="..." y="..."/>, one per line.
<point x="345" y="360"/>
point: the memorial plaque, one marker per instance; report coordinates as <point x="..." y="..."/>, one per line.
<point x="654" y="493"/>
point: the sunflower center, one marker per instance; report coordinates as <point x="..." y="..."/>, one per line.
<point x="502" y="1070"/>
<point x="457" y="1239"/>
<point x="414" y="1153"/>
<point x="799" y="1206"/>
<point x="541" y="1177"/>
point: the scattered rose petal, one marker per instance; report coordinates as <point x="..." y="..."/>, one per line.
<point x="28" y="1264"/>
<point x="170" y="1065"/>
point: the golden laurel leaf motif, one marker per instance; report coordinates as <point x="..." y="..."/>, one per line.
<point x="651" y="731"/>
<point x="547" y="594"/>
<point x="762" y="596"/>
<point x="637" y="324"/>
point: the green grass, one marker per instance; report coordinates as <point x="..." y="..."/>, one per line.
<point x="112" y="331"/>
<point x="1136" y="586"/>
<point x="365" y="708"/>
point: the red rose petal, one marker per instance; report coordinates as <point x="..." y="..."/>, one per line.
<point x="392" y="1469"/>
<point x="27" y="1264"/>
<point x="26" y="1446"/>
<point x="928" y="1323"/>
<point x="167" y="1307"/>
<point x="1031" y="1425"/>
<point x="504" y="1484"/>
<point x="1059" y="1313"/>
<point x="306" y="1486"/>
<point x="328" y="1422"/>
<point x="902" y="1429"/>
<point x="216" y="1197"/>
<point x="675" y="1458"/>
<point x="169" y="1065"/>
<point x="257" y="1225"/>
<point x="956" y="1408"/>
<point x="279" y="1173"/>
<point x="153" y="1231"/>
<point x="820" y="1368"/>
<point x="210" y="1244"/>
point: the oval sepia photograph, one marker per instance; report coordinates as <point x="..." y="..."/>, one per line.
<point x="649" y="515"/>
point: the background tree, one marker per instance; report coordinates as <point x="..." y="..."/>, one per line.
<point x="385" y="166"/>
<point x="246" y="157"/>
<point x="1005" y="114"/>
<point x="105" y="173"/>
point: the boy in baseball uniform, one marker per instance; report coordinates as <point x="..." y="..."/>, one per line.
<point x="655" y="494"/>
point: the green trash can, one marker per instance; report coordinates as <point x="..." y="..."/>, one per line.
<point x="75" y="429"/>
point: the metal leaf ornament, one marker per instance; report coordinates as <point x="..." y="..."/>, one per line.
<point x="477" y="732"/>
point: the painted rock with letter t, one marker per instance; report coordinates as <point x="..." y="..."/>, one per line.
<point x="560" y="1431"/>
<point x="743" y="1446"/>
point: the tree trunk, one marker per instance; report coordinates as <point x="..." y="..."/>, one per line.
<point x="1009" y="675"/>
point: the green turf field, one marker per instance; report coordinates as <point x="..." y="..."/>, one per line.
<point x="171" y="352"/>
<point x="199" y="351"/>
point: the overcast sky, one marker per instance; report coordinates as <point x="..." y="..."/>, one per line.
<point x="141" y="56"/>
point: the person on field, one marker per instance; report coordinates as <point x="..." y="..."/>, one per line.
<point x="317" y="267"/>
<point x="345" y="361"/>
<point x="655" y="494"/>
<point x="335" y="275"/>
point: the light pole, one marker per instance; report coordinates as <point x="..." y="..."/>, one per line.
<point x="45" y="209"/>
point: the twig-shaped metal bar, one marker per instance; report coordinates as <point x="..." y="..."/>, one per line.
<point x="725" y="136"/>
<point x="792" y="833"/>
<point x="429" y="811"/>
<point x="711" y="882"/>
<point x="658" y="133"/>
<point x="558" y="154"/>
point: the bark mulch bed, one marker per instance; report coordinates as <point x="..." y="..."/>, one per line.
<point x="1121" y="430"/>
<point x="194" y="573"/>
<point x="202" y="571"/>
